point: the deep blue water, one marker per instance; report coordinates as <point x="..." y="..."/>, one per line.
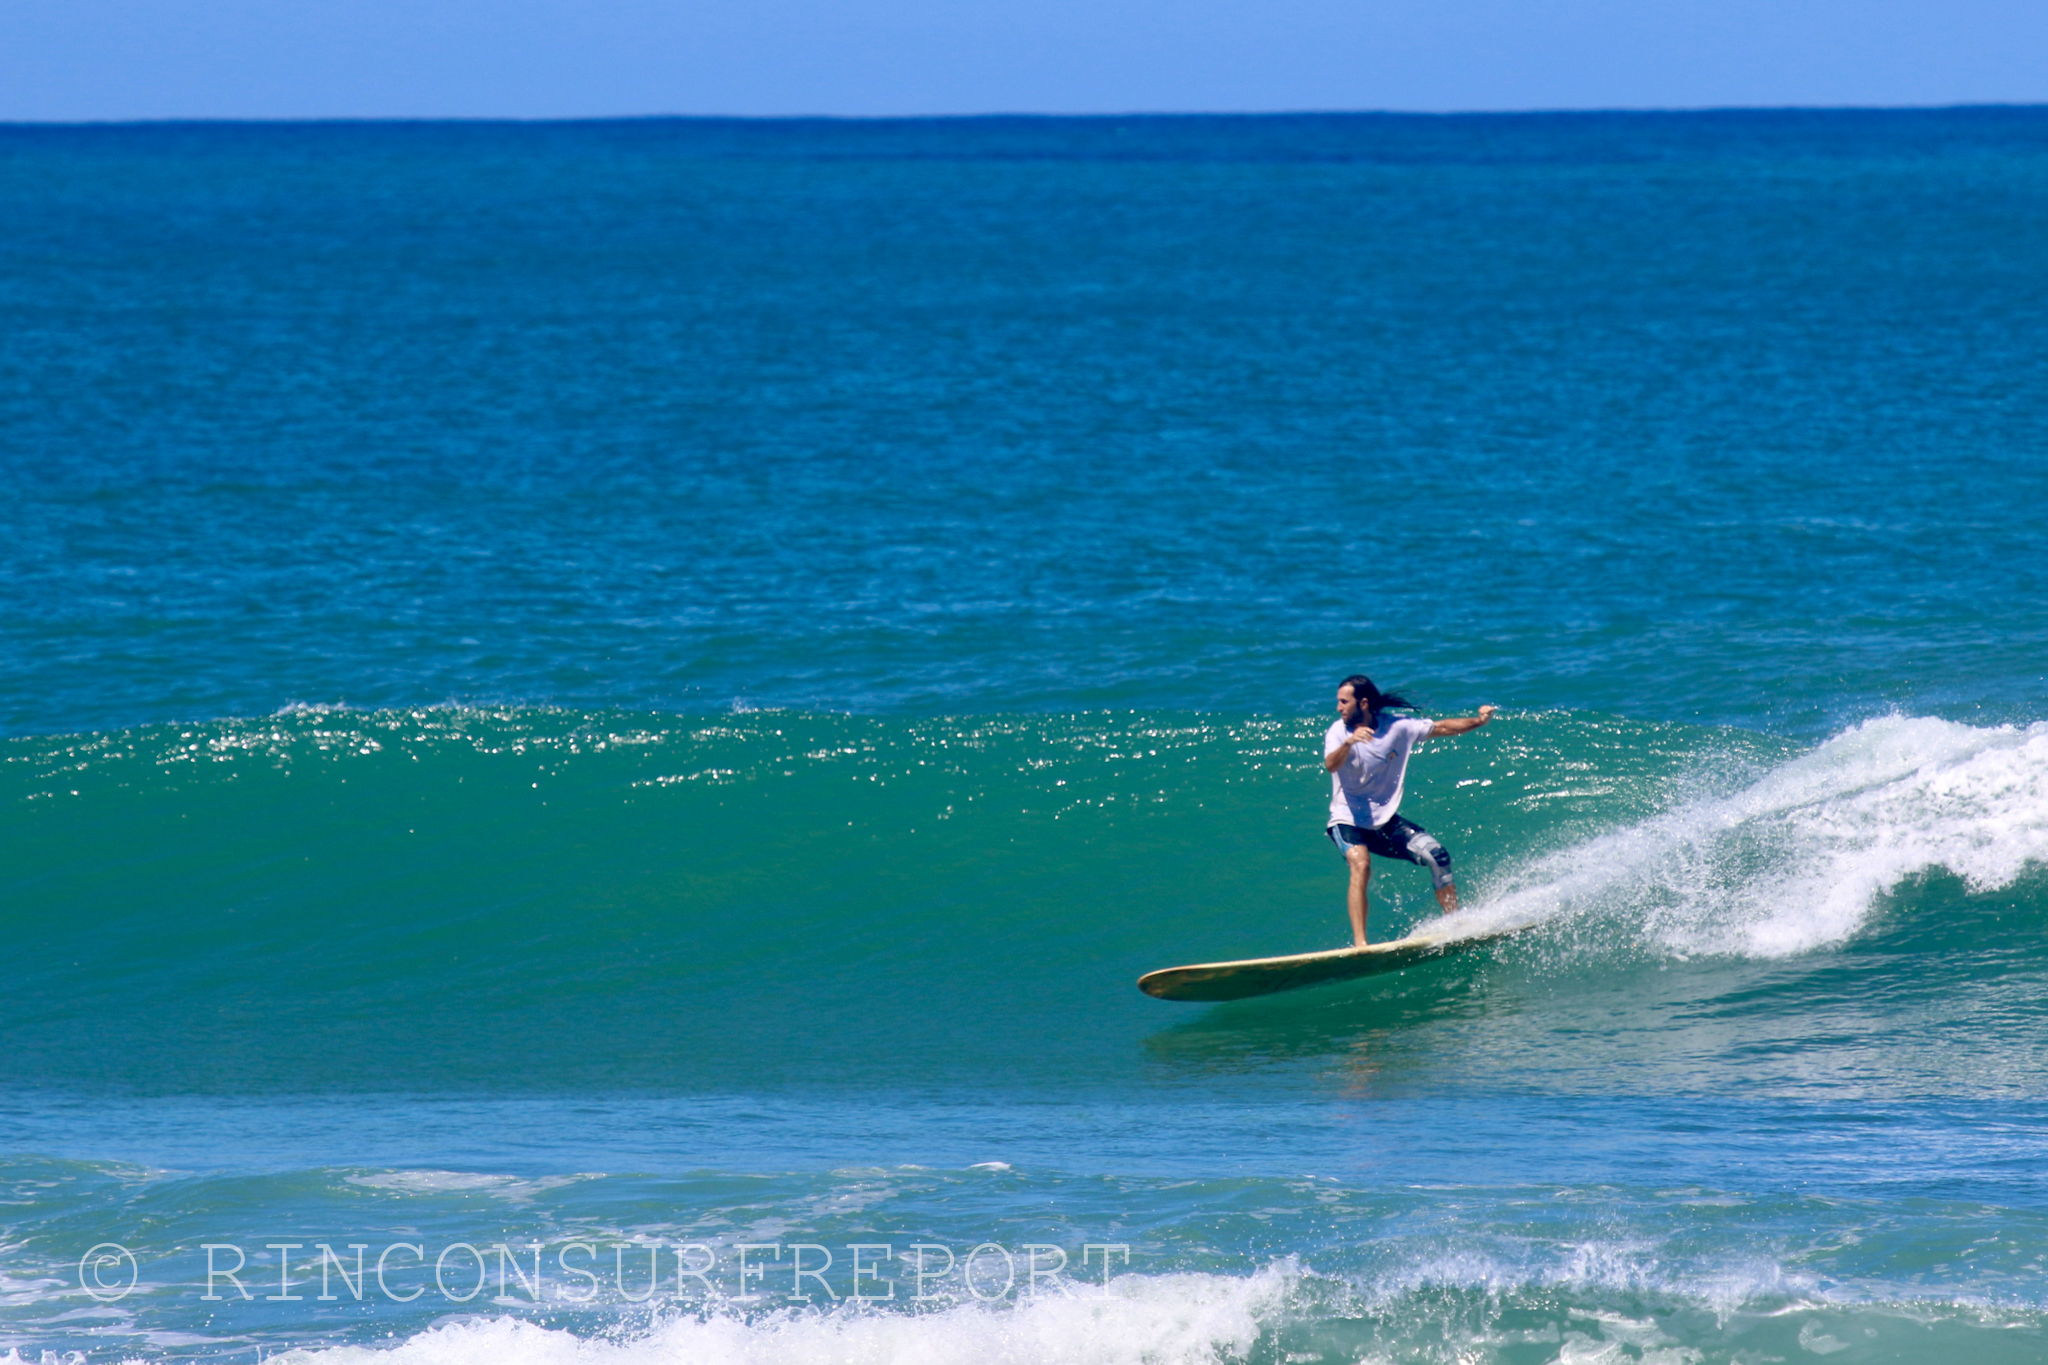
<point x="650" y="686"/>
<point x="1734" y="418"/>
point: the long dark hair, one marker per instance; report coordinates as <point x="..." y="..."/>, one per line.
<point x="1375" y="700"/>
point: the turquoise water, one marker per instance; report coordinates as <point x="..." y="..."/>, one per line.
<point x="622" y="692"/>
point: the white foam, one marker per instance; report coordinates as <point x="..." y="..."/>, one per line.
<point x="1630" y="1268"/>
<point x="513" y="1189"/>
<point x="1800" y="858"/>
<point x="1186" y="1319"/>
<point x="1189" y="1319"/>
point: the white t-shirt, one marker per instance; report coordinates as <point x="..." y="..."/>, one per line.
<point x="1366" y="788"/>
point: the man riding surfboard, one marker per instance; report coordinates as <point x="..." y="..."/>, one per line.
<point x="1366" y="754"/>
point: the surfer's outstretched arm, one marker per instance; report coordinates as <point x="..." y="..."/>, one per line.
<point x="1458" y="725"/>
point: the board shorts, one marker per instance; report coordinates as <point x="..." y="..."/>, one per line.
<point x="1388" y="841"/>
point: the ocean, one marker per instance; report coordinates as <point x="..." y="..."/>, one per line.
<point x="598" y="719"/>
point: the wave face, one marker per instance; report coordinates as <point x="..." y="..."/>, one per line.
<point x="540" y="900"/>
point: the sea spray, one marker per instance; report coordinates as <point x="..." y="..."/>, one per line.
<point x="1807" y="853"/>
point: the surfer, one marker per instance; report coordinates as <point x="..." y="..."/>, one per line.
<point x="1366" y="754"/>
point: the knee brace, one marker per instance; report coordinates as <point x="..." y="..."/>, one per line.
<point x="1433" y="856"/>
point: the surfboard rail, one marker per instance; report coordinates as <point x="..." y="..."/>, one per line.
<point x="1212" y="981"/>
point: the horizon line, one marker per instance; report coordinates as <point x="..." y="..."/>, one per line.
<point x="1582" y="111"/>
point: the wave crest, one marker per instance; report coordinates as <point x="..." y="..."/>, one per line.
<point x="1801" y="857"/>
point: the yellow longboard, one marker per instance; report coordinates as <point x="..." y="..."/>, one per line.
<point x="1265" y="975"/>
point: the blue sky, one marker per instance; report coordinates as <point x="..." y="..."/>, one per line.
<point x="122" y="59"/>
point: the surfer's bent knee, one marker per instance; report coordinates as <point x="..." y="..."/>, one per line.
<point x="1433" y="856"/>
